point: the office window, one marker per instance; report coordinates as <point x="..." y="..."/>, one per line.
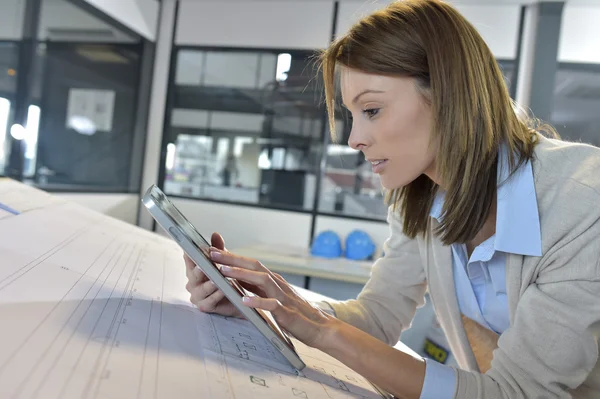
<point x="9" y="56"/>
<point x="244" y="126"/>
<point x="577" y="102"/>
<point x="349" y="187"/>
<point x="80" y="120"/>
<point x="88" y="107"/>
<point x="508" y="70"/>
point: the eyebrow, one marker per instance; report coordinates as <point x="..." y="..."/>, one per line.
<point x="365" y="92"/>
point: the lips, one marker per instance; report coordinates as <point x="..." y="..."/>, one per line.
<point x="378" y="165"/>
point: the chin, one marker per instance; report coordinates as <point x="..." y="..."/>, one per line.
<point x="395" y="183"/>
<point x="390" y="185"/>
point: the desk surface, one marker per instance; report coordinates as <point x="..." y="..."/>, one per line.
<point x="297" y="260"/>
<point x="97" y="308"/>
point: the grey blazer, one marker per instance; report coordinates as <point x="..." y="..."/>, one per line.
<point x="550" y="349"/>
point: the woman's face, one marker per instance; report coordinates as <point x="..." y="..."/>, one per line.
<point x="391" y="126"/>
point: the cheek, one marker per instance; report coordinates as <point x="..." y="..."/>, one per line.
<point x="410" y="153"/>
<point x="404" y="169"/>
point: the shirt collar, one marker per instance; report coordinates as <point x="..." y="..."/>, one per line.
<point x="517" y="216"/>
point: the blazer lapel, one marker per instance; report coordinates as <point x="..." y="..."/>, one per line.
<point x="443" y="295"/>
<point x="514" y="279"/>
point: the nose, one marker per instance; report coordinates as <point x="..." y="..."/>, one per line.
<point x="356" y="140"/>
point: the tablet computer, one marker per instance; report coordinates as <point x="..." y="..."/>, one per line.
<point x="197" y="248"/>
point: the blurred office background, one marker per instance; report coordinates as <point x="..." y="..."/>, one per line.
<point x="218" y="102"/>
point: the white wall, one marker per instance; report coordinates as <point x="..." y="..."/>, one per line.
<point x="298" y="24"/>
<point x="243" y="226"/>
<point x="497" y="24"/>
<point x="160" y="80"/>
<point x="62" y="16"/>
<point x="580" y="34"/>
<point x="11" y="19"/>
<point x="141" y="16"/>
<point x="121" y="206"/>
<point x="56" y="14"/>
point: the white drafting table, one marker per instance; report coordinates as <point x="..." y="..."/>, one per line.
<point x="92" y="307"/>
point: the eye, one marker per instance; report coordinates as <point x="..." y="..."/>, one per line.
<point x="371" y="112"/>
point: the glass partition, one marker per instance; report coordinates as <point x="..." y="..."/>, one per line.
<point x="82" y="102"/>
<point x="577" y="102"/>
<point x="88" y="107"/>
<point x="244" y="126"/>
<point x="9" y="59"/>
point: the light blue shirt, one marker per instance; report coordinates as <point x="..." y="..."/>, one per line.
<point x="480" y="280"/>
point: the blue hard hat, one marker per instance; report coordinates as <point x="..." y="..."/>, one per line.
<point x="327" y="244"/>
<point x="359" y="246"/>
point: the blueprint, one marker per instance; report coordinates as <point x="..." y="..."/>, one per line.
<point x="92" y="307"/>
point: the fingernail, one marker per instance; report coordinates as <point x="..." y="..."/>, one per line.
<point x="215" y="255"/>
<point x="246" y="299"/>
<point x="226" y="269"/>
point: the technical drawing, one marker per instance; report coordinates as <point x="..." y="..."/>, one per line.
<point x="343" y="386"/>
<point x="258" y="381"/>
<point x="98" y="310"/>
<point x="298" y="393"/>
<point x="249" y="346"/>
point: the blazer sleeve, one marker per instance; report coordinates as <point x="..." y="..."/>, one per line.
<point x="551" y="347"/>
<point x="396" y="287"/>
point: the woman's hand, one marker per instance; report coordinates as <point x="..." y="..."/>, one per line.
<point x="391" y="369"/>
<point x="203" y="292"/>
<point x="292" y="312"/>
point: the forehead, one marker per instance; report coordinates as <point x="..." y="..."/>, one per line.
<point x="353" y="82"/>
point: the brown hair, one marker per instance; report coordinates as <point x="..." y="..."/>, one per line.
<point x="473" y="113"/>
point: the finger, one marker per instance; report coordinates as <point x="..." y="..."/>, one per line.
<point x="195" y="276"/>
<point x="209" y="304"/>
<point x="227" y="258"/>
<point x="252" y="288"/>
<point x="217" y="241"/>
<point x="195" y="273"/>
<point x="263" y="281"/>
<point x="199" y="275"/>
<point x="189" y="274"/>
<point x="188" y="262"/>
<point x="284" y="285"/>
<point x="202" y="291"/>
<point x="270" y="304"/>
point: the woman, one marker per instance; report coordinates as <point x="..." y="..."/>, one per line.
<point x="501" y="223"/>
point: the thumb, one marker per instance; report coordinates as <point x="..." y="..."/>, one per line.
<point x="217" y="241"/>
